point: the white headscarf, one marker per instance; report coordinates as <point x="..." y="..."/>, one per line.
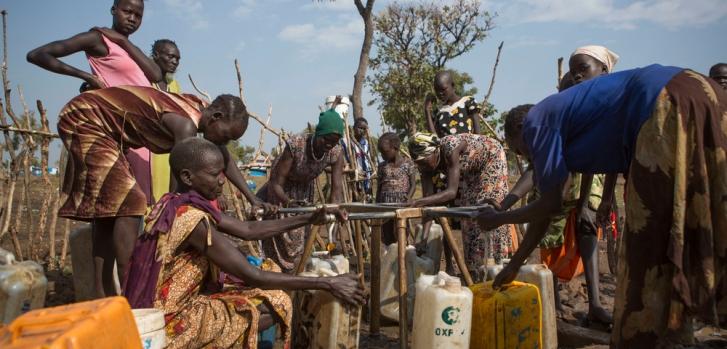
<point x="600" y="53"/>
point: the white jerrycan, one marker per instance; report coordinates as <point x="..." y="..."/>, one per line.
<point x="428" y="263"/>
<point x="22" y="286"/>
<point x="540" y="276"/>
<point x="442" y="313"/>
<point x="321" y="321"/>
<point x="83" y="264"/>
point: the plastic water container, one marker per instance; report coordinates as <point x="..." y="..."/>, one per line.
<point x="105" y="323"/>
<point x="150" y="324"/>
<point x="442" y="314"/>
<point x="507" y="318"/>
<point x="83" y="265"/>
<point x="22" y="286"/>
<point x="540" y="276"/>
<point x="428" y="263"/>
<point x="320" y="320"/>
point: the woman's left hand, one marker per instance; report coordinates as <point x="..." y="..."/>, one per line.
<point x="112" y="35"/>
<point x="266" y="208"/>
<point x="323" y="214"/>
<point x="488" y="218"/>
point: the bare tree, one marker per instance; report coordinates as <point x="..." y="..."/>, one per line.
<point x="363" y="60"/>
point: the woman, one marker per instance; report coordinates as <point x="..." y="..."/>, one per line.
<point x="481" y="164"/>
<point x="98" y="126"/>
<point x="292" y="182"/>
<point x="666" y="126"/>
<point x="183" y="248"/>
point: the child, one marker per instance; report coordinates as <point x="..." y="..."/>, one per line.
<point x="183" y="245"/>
<point x="397" y="179"/>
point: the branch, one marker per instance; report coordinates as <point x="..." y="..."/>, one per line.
<point x="7" y="128"/>
<point x="492" y="130"/>
<point x="252" y="115"/>
<point x="494" y="71"/>
<point x="203" y="93"/>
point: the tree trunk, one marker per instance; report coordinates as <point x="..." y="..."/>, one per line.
<point x="363" y="60"/>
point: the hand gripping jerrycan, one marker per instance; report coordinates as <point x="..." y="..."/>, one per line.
<point x="540" y="276"/>
<point x="427" y="263"/>
<point x="320" y="320"/>
<point x="442" y="313"/>
<point x="22" y="286"/>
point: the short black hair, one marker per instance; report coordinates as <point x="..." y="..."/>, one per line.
<point x="360" y="120"/>
<point x="191" y="154"/>
<point x="161" y="42"/>
<point x="391" y="138"/>
<point x="714" y="68"/>
<point x="515" y="117"/>
<point x="231" y="107"/>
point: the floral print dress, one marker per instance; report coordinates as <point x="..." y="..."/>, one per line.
<point x="287" y="248"/>
<point x="483" y="175"/>
<point x="394" y="181"/>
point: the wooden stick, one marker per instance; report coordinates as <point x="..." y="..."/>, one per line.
<point x="375" y="310"/>
<point x="403" y="323"/>
<point x="307" y="249"/>
<point x="203" y="93"/>
<point x="358" y="243"/>
<point x="242" y="96"/>
<point x="64" y="247"/>
<point x="28" y="132"/>
<point x="494" y="72"/>
<point x="458" y="257"/>
<point x="44" y="143"/>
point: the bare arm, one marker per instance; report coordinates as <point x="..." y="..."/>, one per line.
<point x="236" y="177"/>
<point x="536" y="230"/>
<point x="523" y="186"/>
<point x="428" y="113"/>
<point x="46" y="56"/>
<point x="145" y="63"/>
<point x="223" y="254"/>
<point x="336" y="181"/>
<point x="475" y="122"/>
<point x="279" y="176"/>
<point x="453" y="171"/>
<point x="413" y="184"/>
<point x="603" y="214"/>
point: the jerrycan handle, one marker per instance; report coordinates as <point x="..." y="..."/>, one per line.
<point x="6" y="257"/>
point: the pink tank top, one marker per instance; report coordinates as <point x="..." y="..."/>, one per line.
<point x="117" y="68"/>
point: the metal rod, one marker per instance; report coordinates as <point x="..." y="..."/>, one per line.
<point x="403" y="323"/>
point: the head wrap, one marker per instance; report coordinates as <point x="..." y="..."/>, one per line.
<point x="329" y="122"/>
<point x="422" y="145"/>
<point x="600" y="53"/>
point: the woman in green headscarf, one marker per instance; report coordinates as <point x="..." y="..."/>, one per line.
<point x="292" y="181"/>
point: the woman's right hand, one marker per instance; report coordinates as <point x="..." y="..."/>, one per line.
<point x="346" y="287"/>
<point x="428" y="101"/>
<point x="94" y="82"/>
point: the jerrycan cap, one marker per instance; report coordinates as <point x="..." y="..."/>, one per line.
<point x="453" y="284"/>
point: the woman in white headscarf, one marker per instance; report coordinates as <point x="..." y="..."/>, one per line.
<point x="590" y="61"/>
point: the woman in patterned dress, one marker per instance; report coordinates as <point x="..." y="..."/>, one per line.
<point x="666" y="126"/>
<point x="397" y="179"/>
<point x="183" y="248"/>
<point x="292" y="182"/>
<point x="481" y="164"/>
<point x="96" y="128"/>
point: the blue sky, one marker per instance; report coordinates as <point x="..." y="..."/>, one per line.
<point x="293" y="53"/>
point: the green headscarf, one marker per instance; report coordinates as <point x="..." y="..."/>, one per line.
<point x="329" y="122"/>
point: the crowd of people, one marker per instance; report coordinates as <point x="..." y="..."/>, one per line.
<point x="149" y="186"/>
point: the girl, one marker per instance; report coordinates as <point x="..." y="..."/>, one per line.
<point x="397" y="179"/>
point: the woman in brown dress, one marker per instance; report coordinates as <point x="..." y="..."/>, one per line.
<point x="96" y="128"/>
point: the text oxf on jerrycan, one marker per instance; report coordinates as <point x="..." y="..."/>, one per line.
<point x="442" y="314"/>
